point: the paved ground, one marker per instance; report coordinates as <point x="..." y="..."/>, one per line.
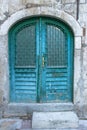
<point x="13" y="124"/>
<point x="27" y="125"/>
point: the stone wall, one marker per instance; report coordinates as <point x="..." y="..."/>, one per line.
<point x="10" y="7"/>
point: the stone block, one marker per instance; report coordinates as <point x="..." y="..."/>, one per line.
<point x="54" y="120"/>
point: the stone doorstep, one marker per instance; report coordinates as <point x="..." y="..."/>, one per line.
<point x="55" y="120"/>
<point x="10" y="124"/>
<point x="23" y="109"/>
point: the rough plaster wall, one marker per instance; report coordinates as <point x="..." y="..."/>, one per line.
<point x="8" y="7"/>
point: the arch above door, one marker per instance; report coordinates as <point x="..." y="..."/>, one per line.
<point x="41" y="11"/>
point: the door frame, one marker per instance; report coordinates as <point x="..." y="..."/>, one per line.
<point x="48" y="12"/>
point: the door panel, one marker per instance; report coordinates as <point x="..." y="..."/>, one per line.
<point x="25" y="85"/>
<point x="57" y="64"/>
<point x="23" y="64"/>
<point x="25" y="51"/>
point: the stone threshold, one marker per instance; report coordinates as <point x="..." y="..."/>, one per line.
<point x="25" y="109"/>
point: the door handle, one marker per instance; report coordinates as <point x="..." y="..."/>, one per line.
<point x="43" y="61"/>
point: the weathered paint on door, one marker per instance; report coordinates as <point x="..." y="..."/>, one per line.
<point x="41" y="61"/>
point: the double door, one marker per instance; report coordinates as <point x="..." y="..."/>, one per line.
<point x="41" y="61"/>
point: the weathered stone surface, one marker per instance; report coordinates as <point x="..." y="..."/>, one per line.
<point x="68" y="1"/>
<point x="55" y="120"/>
<point x="83" y="8"/>
<point x="77" y="77"/>
<point x="4" y="90"/>
<point x="10" y="124"/>
<point x="82" y="1"/>
<point x="0" y="114"/>
<point x="70" y="8"/>
<point x="78" y="42"/>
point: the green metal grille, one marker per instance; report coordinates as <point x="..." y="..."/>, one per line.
<point x="26" y="48"/>
<point x="56" y="46"/>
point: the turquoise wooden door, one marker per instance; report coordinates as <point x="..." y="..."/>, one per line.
<point x="41" y="61"/>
